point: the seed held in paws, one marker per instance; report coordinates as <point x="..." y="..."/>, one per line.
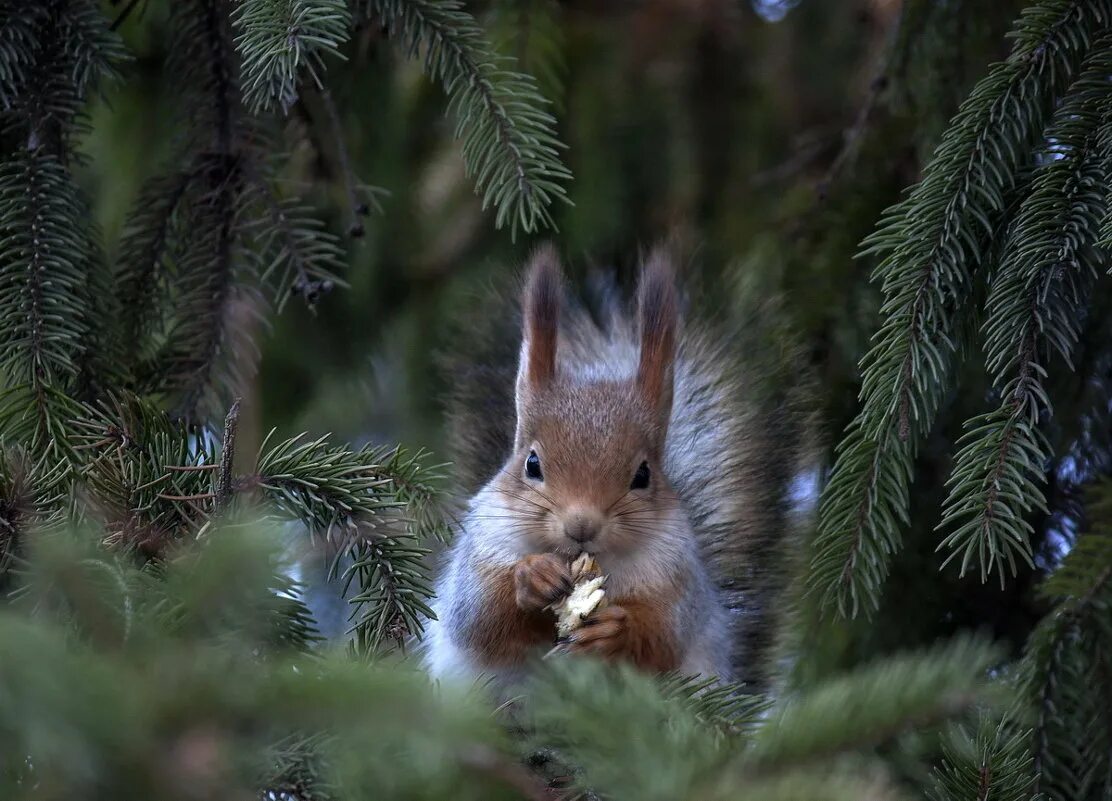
<point x="586" y="596"/>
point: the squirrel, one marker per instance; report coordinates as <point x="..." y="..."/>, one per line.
<point x="629" y="439"/>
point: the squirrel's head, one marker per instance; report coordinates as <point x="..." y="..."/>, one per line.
<point x="586" y="470"/>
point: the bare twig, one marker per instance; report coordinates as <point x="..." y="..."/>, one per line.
<point x="202" y="496"/>
<point x="123" y="15"/>
<point x="227" y="455"/>
<point x="358" y="208"/>
<point x="854" y="134"/>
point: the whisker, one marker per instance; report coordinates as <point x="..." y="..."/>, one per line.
<point x="654" y="513"/>
<point x="625" y="509"/>
<point x="524" y="526"/>
<point x="506" y="517"/>
<point x="505" y="530"/>
<point x="623" y="497"/>
<point x="534" y="489"/>
<point x="523" y="499"/>
<point x="640" y="528"/>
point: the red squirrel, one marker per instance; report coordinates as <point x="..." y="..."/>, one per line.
<point x="606" y="420"/>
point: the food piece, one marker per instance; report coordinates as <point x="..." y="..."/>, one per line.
<point x="586" y="596"/>
<point x="576" y="608"/>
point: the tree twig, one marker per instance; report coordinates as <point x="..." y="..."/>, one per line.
<point x="201" y="496"/>
<point x="123" y="15"/>
<point x="227" y="455"/>
<point x="358" y="208"/>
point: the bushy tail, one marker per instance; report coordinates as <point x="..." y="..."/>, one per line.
<point x="741" y="438"/>
<point x="738" y="437"/>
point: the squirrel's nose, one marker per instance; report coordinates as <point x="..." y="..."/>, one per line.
<point x="581" y="527"/>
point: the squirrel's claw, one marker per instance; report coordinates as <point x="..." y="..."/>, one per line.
<point x="603" y="634"/>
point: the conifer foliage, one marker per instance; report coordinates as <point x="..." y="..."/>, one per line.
<point x="996" y="246"/>
<point x="997" y="249"/>
<point x="115" y="379"/>
<point x="154" y="642"/>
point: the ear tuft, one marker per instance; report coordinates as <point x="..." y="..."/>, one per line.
<point x="658" y="312"/>
<point x="541" y="306"/>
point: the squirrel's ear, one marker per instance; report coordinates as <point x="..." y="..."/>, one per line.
<point x="540" y="306"/>
<point x="658" y="316"/>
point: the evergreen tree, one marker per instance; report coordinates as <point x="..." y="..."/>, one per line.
<point x="153" y="639"/>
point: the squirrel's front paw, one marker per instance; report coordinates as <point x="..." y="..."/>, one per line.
<point x="605" y="633"/>
<point x="540" y="580"/>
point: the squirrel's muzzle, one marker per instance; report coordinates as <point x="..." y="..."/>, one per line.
<point x="581" y="526"/>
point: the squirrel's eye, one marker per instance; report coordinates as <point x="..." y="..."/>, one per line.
<point x="533" y="467"/>
<point x="641" y="477"/>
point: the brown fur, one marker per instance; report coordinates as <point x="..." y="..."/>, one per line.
<point x="640" y="631"/>
<point x="540" y="579"/>
<point x="590" y="439"/>
<point x="590" y="436"/>
<point x="506" y="634"/>
<point x="595" y="402"/>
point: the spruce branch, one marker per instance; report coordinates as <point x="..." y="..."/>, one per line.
<point x="201" y="352"/>
<point x="296" y="771"/>
<point x="395" y="590"/>
<point x="994" y="483"/>
<point x="690" y="744"/>
<point x="19" y="40"/>
<point x="586" y="711"/>
<point x="862" y="512"/>
<point x="324" y="486"/>
<point x="54" y="55"/>
<point x="1035" y="309"/>
<point x="991" y="763"/>
<point x="509" y="144"/>
<point x="45" y="263"/>
<point x="1063" y="678"/>
<point x="102" y="367"/>
<point x="32" y="500"/>
<point x="379" y="506"/>
<point x="207" y="326"/>
<point x="875" y="703"/>
<point x="206" y="70"/>
<point x="42" y="270"/>
<point x="210" y="350"/>
<point x="185" y="249"/>
<point x="278" y="39"/>
<point x="390" y="562"/>
<point x="205" y="236"/>
<point x="128" y="445"/>
<point x="933" y="246"/>
<point x="146" y="254"/>
<point x="301" y="258"/>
